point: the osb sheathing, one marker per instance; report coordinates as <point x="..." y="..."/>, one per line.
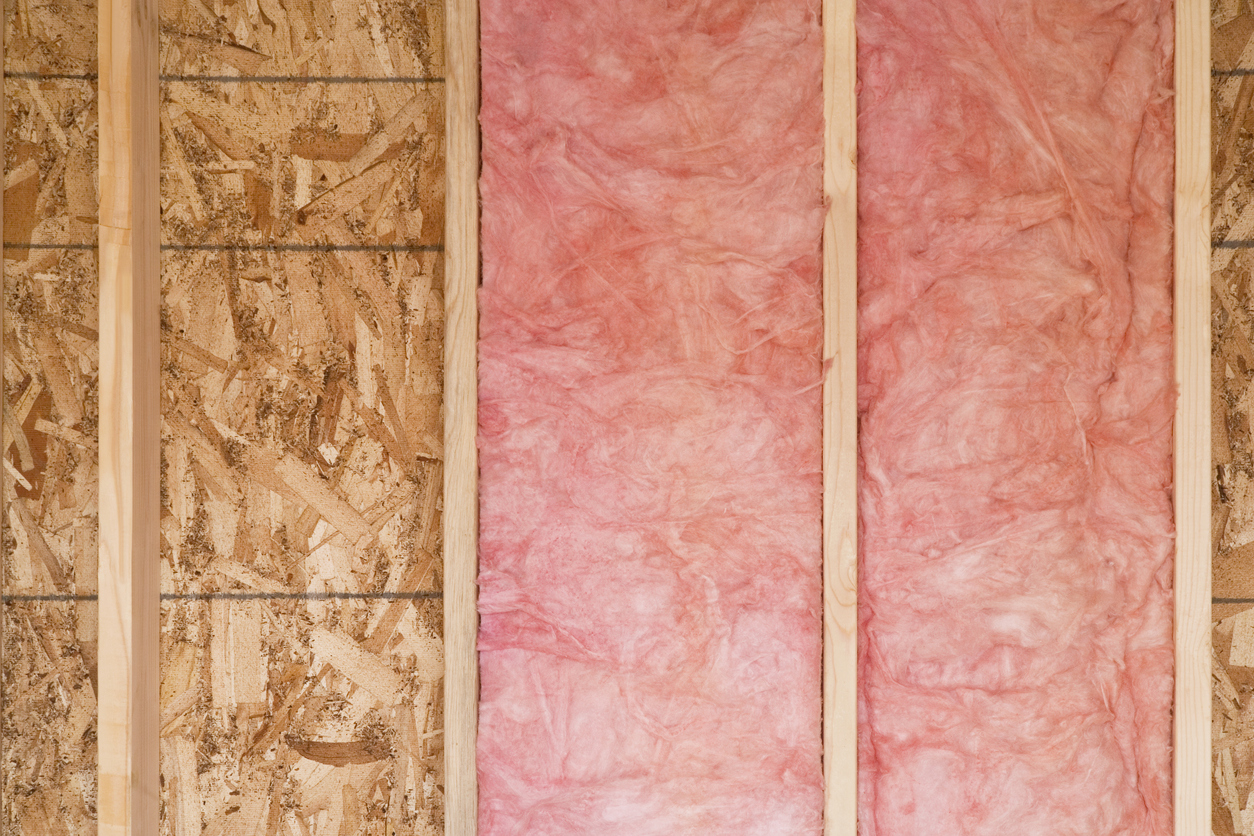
<point x="1232" y="408"/>
<point x="302" y="326"/>
<point x="48" y="622"/>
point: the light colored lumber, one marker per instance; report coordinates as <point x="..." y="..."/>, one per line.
<point x="1193" y="421"/>
<point x="461" y="503"/>
<point x="129" y="436"/>
<point x="840" y="420"/>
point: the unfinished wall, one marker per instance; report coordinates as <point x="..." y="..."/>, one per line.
<point x="1232" y="342"/>
<point x="302" y="326"/>
<point x="49" y="623"/>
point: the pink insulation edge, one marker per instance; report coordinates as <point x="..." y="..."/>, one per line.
<point x="650" y="418"/>
<point x="1016" y="398"/>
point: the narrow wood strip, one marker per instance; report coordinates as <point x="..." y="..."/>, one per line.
<point x="1192" y="430"/>
<point x="129" y="418"/>
<point x="461" y="502"/>
<point x="840" y="421"/>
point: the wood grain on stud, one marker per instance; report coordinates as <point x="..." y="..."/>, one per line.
<point x="1193" y="421"/>
<point x="840" y="422"/>
<point x="129" y="435"/>
<point x="461" y="504"/>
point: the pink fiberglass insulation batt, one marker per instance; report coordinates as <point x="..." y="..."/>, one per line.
<point x="1016" y="399"/>
<point x="650" y="418"/>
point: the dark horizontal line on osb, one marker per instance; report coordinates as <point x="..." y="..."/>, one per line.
<point x="232" y="79"/>
<point x="1235" y="244"/>
<point x="305" y="248"/>
<point x="222" y="248"/>
<point x="32" y="76"/>
<point x="242" y="596"/>
<point x="1232" y="72"/>
<point x="300" y="596"/>
<point x="53" y="596"/>
<point x="1232" y="600"/>
<point x="307" y="79"/>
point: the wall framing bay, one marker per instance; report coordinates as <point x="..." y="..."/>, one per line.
<point x="1192" y="467"/>
<point x="302" y="322"/>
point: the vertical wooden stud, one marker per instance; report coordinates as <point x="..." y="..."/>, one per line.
<point x="840" y="420"/>
<point x="1192" y="429"/>
<point x="129" y="418"/>
<point x="461" y="502"/>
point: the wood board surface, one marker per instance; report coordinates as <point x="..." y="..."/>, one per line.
<point x="840" y="420"/>
<point x="1192" y="590"/>
<point x="48" y="562"/>
<point x="302" y="442"/>
<point x="461" y="419"/>
<point x="128" y="240"/>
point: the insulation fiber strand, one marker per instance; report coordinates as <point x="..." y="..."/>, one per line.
<point x="650" y="418"/>
<point x="1016" y="399"/>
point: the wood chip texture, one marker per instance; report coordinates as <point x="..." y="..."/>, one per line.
<point x="48" y="612"/>
<point x="302" y="328"/>
<point x="1232" y="369"/>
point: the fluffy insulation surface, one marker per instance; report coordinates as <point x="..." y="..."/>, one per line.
<point x="1016" y="401"/>
<point x="650" y="418"/>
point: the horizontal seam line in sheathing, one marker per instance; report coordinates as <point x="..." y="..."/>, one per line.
<point x="232" y="79"/>
<point x="1232" y="600"/>
<point x="1237" y="244"/>
<point x="299" y="596"/>
<point x="1234" y="71"/>
<point x="307" y="79"/>
<point x="305" y="248"/>
<point x="32" y="76"/>
<point x="223" y="248"/>
<point x="242" y="596"/>
<point x="25" y="599"/>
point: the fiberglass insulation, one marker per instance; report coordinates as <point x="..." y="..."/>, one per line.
<point x="1016" y="403"/>
<point x="650" y="418"/>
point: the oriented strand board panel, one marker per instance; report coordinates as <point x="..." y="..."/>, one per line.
<point x="48" y="619"/>
<point x="1232" y="263"/>
<point x="302" y="453"/>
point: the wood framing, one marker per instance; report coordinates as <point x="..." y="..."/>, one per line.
<point x="129" y="429"/>
<point x="1192" y="428"/>
<point x="129" y="418"/>
<point x="461" y="420"/>
<point x="840" y="420"/>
